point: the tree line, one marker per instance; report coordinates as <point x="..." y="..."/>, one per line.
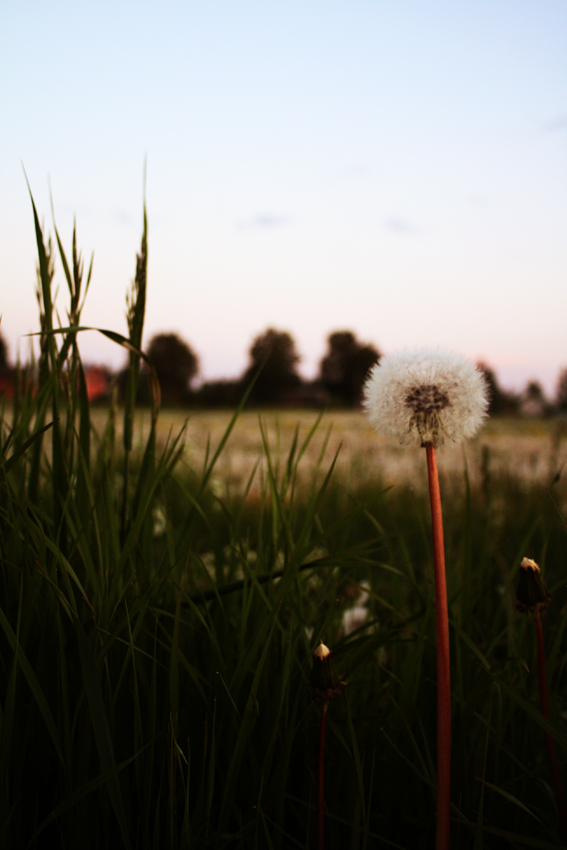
<point x="272" y="378"/>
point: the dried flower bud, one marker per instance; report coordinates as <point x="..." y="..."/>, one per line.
<point x="531" y="594"/>
<point x="325" y="684"/>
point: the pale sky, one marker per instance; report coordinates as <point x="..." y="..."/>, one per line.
<point x="393" y="167"/>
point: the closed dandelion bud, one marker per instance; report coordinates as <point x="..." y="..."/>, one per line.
<point x="325" y="684"/>
<point x="531" y="594"/>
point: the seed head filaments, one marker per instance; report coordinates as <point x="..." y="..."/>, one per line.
<point x="426" y="397"/>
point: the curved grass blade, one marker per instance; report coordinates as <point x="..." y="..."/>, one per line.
<point x="25" y="446"/>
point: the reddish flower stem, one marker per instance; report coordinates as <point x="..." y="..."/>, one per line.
<point x="549" y="745"/>
<point x="443" y="663"/>
<point x="321" y="781"/>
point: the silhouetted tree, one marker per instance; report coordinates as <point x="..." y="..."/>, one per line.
<point x="7" y="375"/>
<point x="3" y="352"/>
<point x="345" y="367"/>
<point x="220" y="393"/>
<point x="561" y="391"/>
<point x="534" y="390"/>
<point x="275" y="352"/>
<point x="176" y="365"/>
<point x="500" y="402"/>
<point x="534" y="402"/>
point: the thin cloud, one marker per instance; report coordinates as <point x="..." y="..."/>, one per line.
<point x="400" y="225"/>
<point x="556" y="124"/>
<point x="266" y="221"/>
<point x="122" y="217"/>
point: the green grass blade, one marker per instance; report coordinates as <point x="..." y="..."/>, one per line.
<point x="33" y="684"/>
<point x="101" y="728"/>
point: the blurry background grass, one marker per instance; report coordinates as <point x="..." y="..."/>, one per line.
<point x="161" y="598"/>
<point x="533" y="450"/>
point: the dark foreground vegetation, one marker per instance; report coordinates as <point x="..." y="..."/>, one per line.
<point x="156" y="638"/>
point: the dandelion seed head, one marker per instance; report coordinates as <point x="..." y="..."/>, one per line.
<point x="426" y="397"/>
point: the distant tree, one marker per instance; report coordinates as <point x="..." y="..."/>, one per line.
<point x="275" y="355"/>
<point x="176" y="365"/>
<point x="3" y="352"/>
<point x="561" y="391"/>
<point x="345" y="366"/>
<point x="534" y="391"/>
<point x="500" y="402"/>
<point x="143" y="395"/>
<point x="7" y="376"/>
<point x="221" y="393"/>
<point x="534" y="402"/>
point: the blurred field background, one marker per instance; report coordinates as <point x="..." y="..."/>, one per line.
<point x="526" y="449"/>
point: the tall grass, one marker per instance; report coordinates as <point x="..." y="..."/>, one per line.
<point x="156" y="637"/>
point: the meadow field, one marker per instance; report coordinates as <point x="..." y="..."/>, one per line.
<point x="523" y="448"/>
<point x="166" y="576"/>
<point x="155" y="687"/>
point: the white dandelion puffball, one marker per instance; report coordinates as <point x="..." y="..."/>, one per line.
<point x="426" y="397"/>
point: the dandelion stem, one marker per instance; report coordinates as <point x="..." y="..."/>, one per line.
<point x="443" y="663"/>
<point x="321" y="780"/>
<point x="549" y="745"/>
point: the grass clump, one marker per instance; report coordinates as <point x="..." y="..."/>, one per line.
<point x="156" y="635"/>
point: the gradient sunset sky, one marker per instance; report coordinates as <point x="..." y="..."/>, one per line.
<point x="393" y="167"/>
